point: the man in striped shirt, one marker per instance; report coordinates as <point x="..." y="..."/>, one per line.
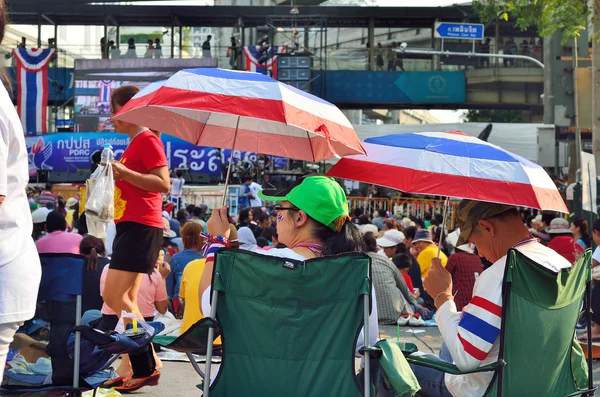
<point x="471" y="337"/>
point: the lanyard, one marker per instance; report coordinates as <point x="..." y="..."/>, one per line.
<point x="138" y="133"/>
<point x="315" y="248"/>
<point x="527" y="241"/>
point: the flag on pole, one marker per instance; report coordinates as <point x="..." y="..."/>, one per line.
<point x="32" y="87"/>
<point x="253" y="54"/>
<point x="105" y="87"/>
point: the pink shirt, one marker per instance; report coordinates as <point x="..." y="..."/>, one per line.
<point x="152" y="289"/>
<point x="59" y="243"/>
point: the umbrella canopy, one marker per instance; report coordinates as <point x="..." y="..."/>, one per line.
<point x="248" y="111"/>
<point x="452" y="164"/>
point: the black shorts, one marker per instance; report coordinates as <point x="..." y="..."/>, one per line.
<point x="136" y="247"/>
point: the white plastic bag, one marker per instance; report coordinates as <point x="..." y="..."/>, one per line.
<point x="120" y="328"/>
<point x="100" y="205"/>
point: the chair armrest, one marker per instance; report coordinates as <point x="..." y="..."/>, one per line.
<point x="451" y="368"/>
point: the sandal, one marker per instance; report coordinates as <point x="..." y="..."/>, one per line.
<point x="116" y="381"/>
<point x="151" y="380"/>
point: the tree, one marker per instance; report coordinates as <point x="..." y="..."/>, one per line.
<point x="549" y="16"/>
<point x="492" y="116"/>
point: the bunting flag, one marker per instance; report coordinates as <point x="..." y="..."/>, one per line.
<point x="32" y="87"/>
<point x="105" y="88"/>
<point x="253" y="54"/>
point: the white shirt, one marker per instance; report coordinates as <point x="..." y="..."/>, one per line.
<point x="481" y="345"/>
<point x="20" y="270"/>
<point x="254" y="189"/>
<point x="176" y="187"/>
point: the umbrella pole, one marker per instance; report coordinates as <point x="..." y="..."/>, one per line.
<point x="237" y="125"/>
<point x="443" y="226"/>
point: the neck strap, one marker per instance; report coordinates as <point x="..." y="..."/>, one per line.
<point x="315" y="248"/>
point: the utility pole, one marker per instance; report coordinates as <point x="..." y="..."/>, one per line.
<point x="596" y="87"/>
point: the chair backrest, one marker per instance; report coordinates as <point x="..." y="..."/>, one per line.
<point x="289" y="327"/>
<point x="540" y="311"/>
<point x="62" y="277"/>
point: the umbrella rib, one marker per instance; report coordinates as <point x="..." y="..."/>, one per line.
<point x="311" y="147"/>
<point x="202" y="129"/>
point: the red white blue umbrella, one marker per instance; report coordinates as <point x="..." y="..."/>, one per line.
<point x="246" y="111"/>
<point x="452" y="164"/>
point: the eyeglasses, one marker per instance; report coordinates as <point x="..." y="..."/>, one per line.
<point x="280" y="208"/>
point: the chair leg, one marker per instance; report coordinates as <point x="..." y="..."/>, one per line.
<point x="211" y="334"/>
<point x="366" y="359"/>
<point x="77" y="347"/>
<point x="190" y="356"/>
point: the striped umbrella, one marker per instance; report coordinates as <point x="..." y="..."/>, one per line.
<point x="452" y="164"/>
<point x="246" y="111"/>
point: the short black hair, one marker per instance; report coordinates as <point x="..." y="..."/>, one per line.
<point x="55" y="222"/>
<point x="410" y="231"/>
<point x="263" y="217"/>
<point x="262" y="242"/>
<point x="402" y="261"/>
<point x="370" y="242"/>
<point x="596" y="225"/>
<point x="182" y="215"/>
<point x="247" y="178"/>
<point x="197" y="211"/>
<point x="179" y="173"/>
<point x="190" y="208"/>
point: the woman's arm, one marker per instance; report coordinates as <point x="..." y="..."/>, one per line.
<point x="156" y="180"/>
<point x="161" y="306"/>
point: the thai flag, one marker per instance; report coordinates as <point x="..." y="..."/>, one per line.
<point x="32" y="87"/>
<point x="479" y="327"/>
<point x="105" y="88"/>
<point x="253" y="54"/>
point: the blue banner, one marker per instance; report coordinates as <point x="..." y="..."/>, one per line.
<point x="70" y="152"/>
<point x="375" y="88"/>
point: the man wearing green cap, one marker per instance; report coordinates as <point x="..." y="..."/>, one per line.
<point x="471" y="337"/>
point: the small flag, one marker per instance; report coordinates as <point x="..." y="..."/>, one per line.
<point x="253" y="54"/>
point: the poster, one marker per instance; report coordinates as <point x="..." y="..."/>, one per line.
<point x="71" y="152"/>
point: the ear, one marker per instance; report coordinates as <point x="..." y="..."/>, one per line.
<point x="487" y="226"/>
<point x="301" y="218"/>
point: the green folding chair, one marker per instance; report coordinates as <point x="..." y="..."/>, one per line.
<point x="539" y="353"/>
<point x="289" y="327"/>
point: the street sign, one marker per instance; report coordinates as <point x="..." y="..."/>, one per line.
<point x="451" y="30"/>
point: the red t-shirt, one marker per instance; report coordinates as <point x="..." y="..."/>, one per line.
<point x="409" y="283"/>
<point x="132" y="204"/>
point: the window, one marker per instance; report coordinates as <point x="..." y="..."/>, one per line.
<point x="197" y="30"/>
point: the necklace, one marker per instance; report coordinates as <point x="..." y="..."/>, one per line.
<point x="315" y="248"/>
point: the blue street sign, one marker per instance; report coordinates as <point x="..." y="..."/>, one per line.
<point x="451" y="30"/>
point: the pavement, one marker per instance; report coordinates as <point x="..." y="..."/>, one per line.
<point x="179" y="379"/>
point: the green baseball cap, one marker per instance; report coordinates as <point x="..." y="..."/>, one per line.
<point x="322" y="198"/>
<point x="469" y="213"/>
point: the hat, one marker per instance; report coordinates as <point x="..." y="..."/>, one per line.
<point x="452" y="238"/>
<point x="466" y="248"/>
<point x="423" y="235"/>
<point x="391" y="238"/>
<point x="469" y="213"/>
<point x="71" y="202"/>
<point x="364" y="229"/>
<point x="40" y="215"/>
<point x="322" y="198"/>
<point x="33" y="206"/>
<point x="406" y="221"/>
<point x="559" y="226"/>
<point x="167" y="232"/>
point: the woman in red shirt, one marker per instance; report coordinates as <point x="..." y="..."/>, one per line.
<point x="141" y="176"/>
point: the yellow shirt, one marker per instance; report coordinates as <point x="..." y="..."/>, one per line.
<point x="69" y="217"/>
<point x="425" y="257"/>
<point x="188" y="290"/>
<point x="190" y="282"/>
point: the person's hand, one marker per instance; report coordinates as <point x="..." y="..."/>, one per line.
<point x="120" y="172"/>
<point x="164" y="269"/>
<point x="218" y="224"/>
<point x="438" y="283"/>
<point x="417" y="294"/>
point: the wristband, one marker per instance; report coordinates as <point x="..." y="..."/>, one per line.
<point x="213" y="240"/>
<point x="440" y="294"/>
